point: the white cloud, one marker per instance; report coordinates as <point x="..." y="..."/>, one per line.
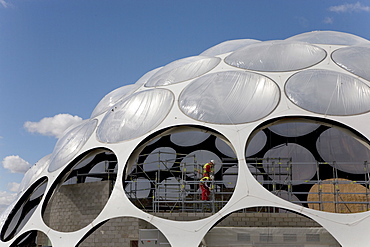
<point x="6" y="199"/>
<point x="52" y="126"/>
<point x="15" y="164"/>
<point x="13" y="186"/>
<point x="328" y="20"/>
<point x="4" y="3"/>
<point x="349" y="8"/>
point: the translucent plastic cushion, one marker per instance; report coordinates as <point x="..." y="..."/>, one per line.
<point x="224" y="148"/>
<point x="293" y="129"/>
<point x="348" y="153"/>
<point x="147" y="76"/>
<point x="328" y="37"/>
<point x="113" y="97"/>
<point x="196" y="159"/>
<point x="172" y="188"/>
<point x="135" y="116"/>
<point x="256" y="144"/>
<point x="139" y="187"/>
<point x="161" y="158"/>
<point x="189" y="138"/>
<point x="183" y="70"/>
<point x="328" y="92"/>
<point x="276" y="56"/>
<point x="355" y="59"/>
<point x="228" y="46"/>
<point x="69" y="144"/>
<point x="33" y="173"/>
<point x="231" y="97"/>
<point x="303" y="163"/>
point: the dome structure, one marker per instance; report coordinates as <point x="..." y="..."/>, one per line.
<point x="277" y="117"/>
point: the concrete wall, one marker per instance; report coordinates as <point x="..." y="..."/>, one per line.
<point x="117" y="232"/>
<point x="249" y="219"/>
<point x="75" y="206"/>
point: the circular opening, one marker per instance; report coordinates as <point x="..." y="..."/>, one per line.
<point x="81" y="191"/>
<point x="32" y="238"/>
<point x="23" y="210"/>
<point x="124" y="231"/>
<point x="268" y="226"/>
<point x="171" y="173"/>
<point x="314" y="164"/>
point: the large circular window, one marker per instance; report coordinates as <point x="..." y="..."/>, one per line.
<point x="81" y="191"/>
<point x="167" y="175"/>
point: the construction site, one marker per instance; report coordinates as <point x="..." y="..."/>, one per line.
<point x="156" y="192"/>
<point x="271" y="161"/>
<point x="166" y="184"/>
<point x="169" y="190"/>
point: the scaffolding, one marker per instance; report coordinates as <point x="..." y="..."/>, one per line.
<point x="173" y="186"/>
<point x="326" y="192"/>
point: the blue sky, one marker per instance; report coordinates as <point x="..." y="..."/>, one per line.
<point x="58" y="58"/>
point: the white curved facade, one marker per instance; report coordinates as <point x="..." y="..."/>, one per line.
<point x="233" y="91"/>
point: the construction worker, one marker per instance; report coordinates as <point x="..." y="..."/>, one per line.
<point x="204" y="186"/>
<point x="208" y="168"/>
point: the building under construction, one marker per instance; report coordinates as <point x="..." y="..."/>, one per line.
<point x="285" y="122"/>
